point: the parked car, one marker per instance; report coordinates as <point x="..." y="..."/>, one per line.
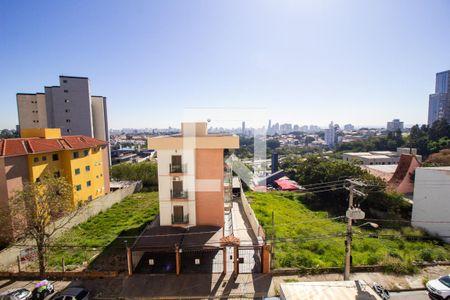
<point x="439" y="288"/>
<point x="381" y="291"/>
<point x="42" y="289"/>
<point x="72" y="293"/>
<point x="16" y="294"/>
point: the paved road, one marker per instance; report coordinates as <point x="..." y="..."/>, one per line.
<point x="417" y="295"/>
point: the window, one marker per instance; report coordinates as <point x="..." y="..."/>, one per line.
<point x="64" y="80"/>
<point x="88" y="183"/>
<point x="44" y="158"/>
<point x="76" y="154"/>
<point x="78" y="187"/>
<point x="57" y="174"/>
<point x="87" y="168"/>
<point x="68" y="130"/>
<point x="77" y="171"/>
<point x="55" y="157"/>
<point x="86" y="152"/>
<point x="67" y="110"/>
<point x="38" y="179"/>
<point x="66" y="91"/>
<point x="66" y="100"/>
<point x="36" y="159"/>
<point x="67" y="120"/>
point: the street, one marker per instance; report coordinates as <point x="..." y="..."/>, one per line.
<point x="415" y="295"/>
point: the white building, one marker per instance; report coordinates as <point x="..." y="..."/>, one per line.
<point x="330" y="135"/>
<point x="379" y="157"/>
<point x="431" y="208"/>
<point x="394" y="125"/>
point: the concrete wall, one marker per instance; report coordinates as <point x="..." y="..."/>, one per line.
<point x="254" y="224"/>
<point x="431" y="201"/>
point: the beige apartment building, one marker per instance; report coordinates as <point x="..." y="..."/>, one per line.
<point x="191" y="175"/>
<point x="69" y="106"/>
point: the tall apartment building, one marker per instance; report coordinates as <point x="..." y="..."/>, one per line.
<point x="439" y="102"/>
<point x="82" y="160"/>
<point x="330" y="135"/>
<point x="191" y="175"/>
<point x="394" y="125"/>
<point x="69" y="106"/>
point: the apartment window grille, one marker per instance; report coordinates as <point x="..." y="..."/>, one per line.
<point x="55" y="157"/>
<point x="87" y="168"/>
<point x="78" y="187"/>
<point x="77" y="171"/>
<point x="36" y="159"/>
<point x="88" y="183"/>
<point x="66" y="91"/>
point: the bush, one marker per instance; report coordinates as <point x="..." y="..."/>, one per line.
<point x="145" y="171"/>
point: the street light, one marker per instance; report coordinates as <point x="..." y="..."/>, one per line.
<point x="373" y="225"/>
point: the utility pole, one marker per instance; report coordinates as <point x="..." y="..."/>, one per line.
<point x="273" y="239"/>
<point x="352" y="213"/>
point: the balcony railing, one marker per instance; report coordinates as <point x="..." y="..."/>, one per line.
<point x="180" y="219"/>
<point x="178" y="168"/>
<point x="179" y="194"/>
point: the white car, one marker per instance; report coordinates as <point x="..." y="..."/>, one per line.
<point x="440" y="288"/>
<point x="16" y="294"/>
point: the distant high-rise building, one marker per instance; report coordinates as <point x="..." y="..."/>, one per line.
<point x="243" y="128"/>
<point x="439" y="102"/>
<point x="394" y="125"/>
<point x="349" y="127"/>
<point x="330" y="135"/>
<point x="69" y="106"/>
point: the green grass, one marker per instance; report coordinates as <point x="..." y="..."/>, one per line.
<point x="313" y="247"/>
<point x="81" y="244"/>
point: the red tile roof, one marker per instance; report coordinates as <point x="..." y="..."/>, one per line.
<point x="24" y="146"/>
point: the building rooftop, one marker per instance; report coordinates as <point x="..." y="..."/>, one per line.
<point x="33" y="145"/>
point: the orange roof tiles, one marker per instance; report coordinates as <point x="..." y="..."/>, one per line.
<point x="24" y="146"/>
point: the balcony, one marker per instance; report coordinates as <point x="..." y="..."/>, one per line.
<point x="179" y="194"/>
<point x="177" y="169"/>
<point x="180" y="219"/>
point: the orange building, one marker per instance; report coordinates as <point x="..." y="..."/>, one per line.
<point x="191" y="175"/>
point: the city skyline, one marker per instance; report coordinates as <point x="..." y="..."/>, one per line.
<point x="306" y="63"/>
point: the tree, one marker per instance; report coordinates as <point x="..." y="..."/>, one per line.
<point x="145" y="171"/>
<point x="41" y="209"/>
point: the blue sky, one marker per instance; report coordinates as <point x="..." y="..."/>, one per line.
<point x="306" y="62"/>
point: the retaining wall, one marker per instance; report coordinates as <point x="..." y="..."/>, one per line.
<point x="256" y="227"/>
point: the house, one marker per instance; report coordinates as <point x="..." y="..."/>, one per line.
<point x="82" y="160"/>
<point x="431" y="207"/>
<point x="379" y="157"/>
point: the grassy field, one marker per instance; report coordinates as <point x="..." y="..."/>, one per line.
<point x="312" y="241"/>
<point x="95" y="243"/>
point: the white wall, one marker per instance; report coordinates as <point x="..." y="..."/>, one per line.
<point x="165" y="185"/>
<point x="432" y="200"/>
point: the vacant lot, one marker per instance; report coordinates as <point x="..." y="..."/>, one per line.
<point x="308" y="239"/>
<point x="99" y="243"/>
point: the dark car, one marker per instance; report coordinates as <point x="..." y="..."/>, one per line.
<point x="73" y="293"/>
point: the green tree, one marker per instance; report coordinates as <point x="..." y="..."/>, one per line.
<point x="145" y="171"/>
<point x="41" y="209"/>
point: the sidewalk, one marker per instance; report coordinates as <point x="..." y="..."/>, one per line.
<point x="218" y="285"/>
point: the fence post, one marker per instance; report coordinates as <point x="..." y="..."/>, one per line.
<point x="224" y="252"/>
<point x="236" y="259"/>
<point x="63" y="265"/>
<point x="265" y="257"/>
<point x="18" y="264"/>
<point x="129" y="261"/>
<point x="177" y="259"/>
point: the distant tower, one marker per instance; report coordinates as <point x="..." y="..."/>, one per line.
<point x="243" y="128"/>
<point x="330" y="135"/>
<point x="439" y="102"/>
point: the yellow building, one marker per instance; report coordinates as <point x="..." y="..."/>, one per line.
<point x="82" y="160"/>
